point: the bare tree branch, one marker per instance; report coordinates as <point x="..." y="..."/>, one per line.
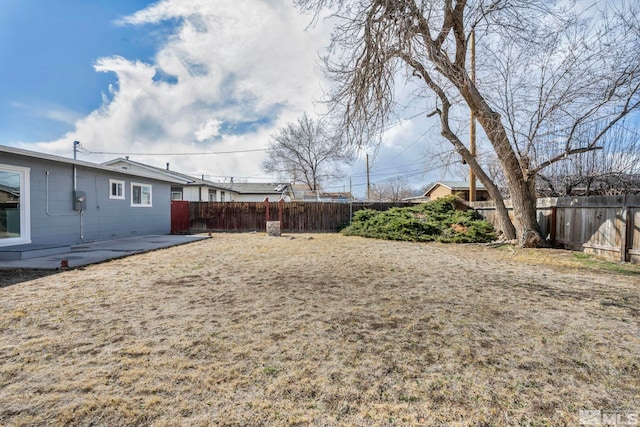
<point x="304" y="151"/>
<point x="551" y="83"/>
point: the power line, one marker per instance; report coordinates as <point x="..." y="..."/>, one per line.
<point x="114" y="153"/>
<point x="363" y="184"/>
<point x="178" y="154"/>
<point x="421" y="170"/>
<point x="406" y="174"/>
<point x="385" y="128"/>
<point x="411" y="145"/>
<point x="252" y="177"/>
<point x="377" y="171"/>
<point x="400" y="121"/>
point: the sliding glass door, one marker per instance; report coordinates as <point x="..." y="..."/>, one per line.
<point x="14" y="205"/>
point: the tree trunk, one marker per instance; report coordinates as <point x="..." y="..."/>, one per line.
<point x="523" y="197"/>
<point x="521" y="188"/>
<point x="504" y="223"/>
<point x="526" y="220"/>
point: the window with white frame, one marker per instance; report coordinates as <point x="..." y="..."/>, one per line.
<point x="116" y="189"/>
<point x="15" y="216"/>
<point x="140" y="195"/>
<point x="212" y="195"/>
<point x="176" y="193"/>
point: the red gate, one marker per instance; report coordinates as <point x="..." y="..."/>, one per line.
<point x="179" y="217"/>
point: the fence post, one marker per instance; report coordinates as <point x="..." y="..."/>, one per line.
<point x="625" y="230"/>
<point x="554" y="221"/>
<point x="266" y="205"/>
<point x="350" y="211"/>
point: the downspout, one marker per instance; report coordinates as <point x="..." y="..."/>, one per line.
<point x="75" y="188"/>
<point x="61" y="214"/>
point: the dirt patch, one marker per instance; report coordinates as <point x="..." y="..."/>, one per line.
<point x="244" y="329"/>
<point x="12" y="276"/>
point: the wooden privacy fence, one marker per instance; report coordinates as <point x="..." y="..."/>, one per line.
<point x="179" y="216"/>
<point x="607" y="226"/>
<point x="293" y="216"/>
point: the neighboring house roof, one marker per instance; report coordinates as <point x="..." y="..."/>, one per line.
<point x="11" y="191"/>
<point x="453" y="186"/>
<point x="59" y="159"/>
<point x="180" y="177"/>
<point x="255" y="187"/>
<point x="302" y="192"/>
<point x="322" y="196"/>
<point x="422" y="198"/>
<point x="339" y="195"/>
<point x="236" y="187"/>
<point x="298" y="190"/>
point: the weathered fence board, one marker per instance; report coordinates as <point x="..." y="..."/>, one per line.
<point x="633" y="234"/>
<point x="607" y="226"/>
<point x="594" y="223"/>
<point x="179" y="216"/>
<point x="293" y="216"/>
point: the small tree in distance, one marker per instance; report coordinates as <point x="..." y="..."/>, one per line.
<point x="305" y="152"/>
<point x="393" y="190"/>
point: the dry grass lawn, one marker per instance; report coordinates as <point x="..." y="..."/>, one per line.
<point x="244" y="329"/>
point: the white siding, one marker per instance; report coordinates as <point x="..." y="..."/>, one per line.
<point x="191" y="194"/>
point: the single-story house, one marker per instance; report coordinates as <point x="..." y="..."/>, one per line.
<point x="336" y="196"/>
<point x="256" y="191"/>
<point x="194" y="189"/>
<point x="301" y="193"/>
<point x="441" y="189"/>
<point x="52" y="200"/>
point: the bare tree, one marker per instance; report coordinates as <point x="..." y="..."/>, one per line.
<point x="546" y="77"/>
<point x="611" y="171"/>
<point x="392" y="190"/>
<point x="305" y="152"/>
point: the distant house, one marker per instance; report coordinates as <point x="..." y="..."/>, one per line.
<point x="336" y="197"/>
<point x="194" y="189"/>
<point x="9" y="195"/>
<point x="52" y="200"/>
<point x="441" y="189"/>
<point x="257" y="191"/>
<point x="185" y="187"/>
<point x="301" y="193"/>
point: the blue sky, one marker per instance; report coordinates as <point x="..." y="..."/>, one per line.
<point x="171" y="76"/>
<point x="48" y="49"/>
<point x="145" y="78"/>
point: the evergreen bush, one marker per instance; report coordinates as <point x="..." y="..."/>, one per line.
<point x="438" y="220"/>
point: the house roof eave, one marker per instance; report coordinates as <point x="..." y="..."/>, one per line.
<point x="82" y="163"/>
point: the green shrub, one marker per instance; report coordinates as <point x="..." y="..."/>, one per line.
<point x="438" y="220"/>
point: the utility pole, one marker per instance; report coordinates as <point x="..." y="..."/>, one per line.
<point x="350" y="201"/>
<point x="368" y="182"/>
<point x="472" y="123"/>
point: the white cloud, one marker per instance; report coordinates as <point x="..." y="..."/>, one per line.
<point x="55" y="113"/>
<point x="61" y="115"/>
<point x="226" y="79"/>
<point x="208" y="130"/>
